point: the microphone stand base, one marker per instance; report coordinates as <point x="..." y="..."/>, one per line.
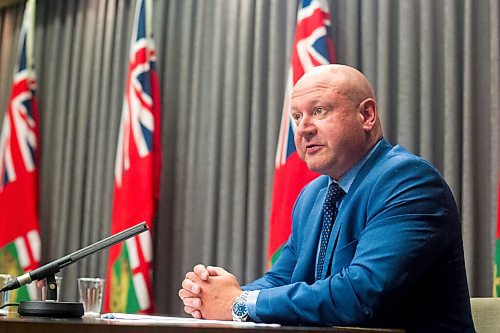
<point x="50" y="309"/>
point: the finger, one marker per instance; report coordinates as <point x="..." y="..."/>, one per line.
<point x="213" y="270"/>
<point x="191" y="286"/>
<point x="193" y="277"/>
<point x="189" y="309"/>
<point x="183" y="293"/>
<point x="201" y="271"/>
<point x="193" y="302"/>
<point x="196" y="314"/>
<point x="193" y="312"/>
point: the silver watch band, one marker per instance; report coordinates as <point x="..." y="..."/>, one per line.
<point x="240" y="301"/>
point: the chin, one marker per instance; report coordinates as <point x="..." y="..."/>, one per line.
<point x="316" y="168"/>
<point x="320" y="167"/>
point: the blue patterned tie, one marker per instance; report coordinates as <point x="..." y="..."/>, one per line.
<point x="334" y="194"/>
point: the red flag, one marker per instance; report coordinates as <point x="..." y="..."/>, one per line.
<point x="137" y="176"/>
<point x="311" y="47"/>
<point x="19" y="147"/>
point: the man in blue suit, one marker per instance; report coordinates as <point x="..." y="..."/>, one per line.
<point x="376" y="241"/>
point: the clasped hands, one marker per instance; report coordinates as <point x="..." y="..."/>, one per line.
<point x="208" y="292"/>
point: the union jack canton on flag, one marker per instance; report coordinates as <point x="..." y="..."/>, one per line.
<point x="137" y="171"/>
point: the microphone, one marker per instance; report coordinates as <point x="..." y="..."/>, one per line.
<point x="49" y="270"/>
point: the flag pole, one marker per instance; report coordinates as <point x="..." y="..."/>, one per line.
<point x="30" y="36"/>
<point x="149" y="19"/>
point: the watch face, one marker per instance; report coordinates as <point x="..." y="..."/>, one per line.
<point x="240" y="309"/>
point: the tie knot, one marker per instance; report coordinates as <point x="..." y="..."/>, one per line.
<point x="334" y="194"/>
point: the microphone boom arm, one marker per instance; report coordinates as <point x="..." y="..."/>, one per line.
<point x="55" y="266"/>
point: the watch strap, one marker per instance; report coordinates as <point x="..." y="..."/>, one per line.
<point x="238" y="303"/>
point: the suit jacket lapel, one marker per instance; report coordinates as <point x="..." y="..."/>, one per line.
<point x="307" y="259"/>
<point x="381" y="150"/>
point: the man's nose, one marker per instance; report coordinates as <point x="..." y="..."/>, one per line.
<point x="306" y="127"/>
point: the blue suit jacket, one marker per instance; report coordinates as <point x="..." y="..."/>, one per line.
<point x="395" y="255"/>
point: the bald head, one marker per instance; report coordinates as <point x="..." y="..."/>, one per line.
<point x="336" y="118"/>
<point x="343" y="80"/>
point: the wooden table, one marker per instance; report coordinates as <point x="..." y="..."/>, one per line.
<point x="16" y="324"/>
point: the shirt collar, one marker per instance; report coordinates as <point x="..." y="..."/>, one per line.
<point x="347" y="179"/>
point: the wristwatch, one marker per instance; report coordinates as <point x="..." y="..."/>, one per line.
<point x="239" y="308"/>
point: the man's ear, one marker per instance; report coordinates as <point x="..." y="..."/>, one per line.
<point x="368" y="110"/>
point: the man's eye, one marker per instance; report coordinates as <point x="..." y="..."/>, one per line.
<point x="319" y="111"/>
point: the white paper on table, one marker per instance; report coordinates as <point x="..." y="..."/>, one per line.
<point x="124" y="317"/>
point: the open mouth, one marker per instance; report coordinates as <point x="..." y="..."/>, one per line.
<point x="311" y="148"/>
